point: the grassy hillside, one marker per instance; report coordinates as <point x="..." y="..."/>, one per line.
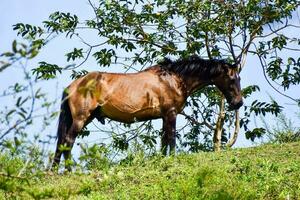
<point x="266" y="172"/>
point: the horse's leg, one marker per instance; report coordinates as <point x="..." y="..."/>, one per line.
<point x="76" y="127"/>
<point x="58" y="153"/>
<point x="169" y="135"/>
<point x="172" y="130"/>
<point x="164" y="139"/>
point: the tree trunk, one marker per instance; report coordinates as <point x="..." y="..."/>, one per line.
<point x="219" y="126"/>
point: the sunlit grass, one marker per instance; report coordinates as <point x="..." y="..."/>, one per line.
<point x="265" y="172"/>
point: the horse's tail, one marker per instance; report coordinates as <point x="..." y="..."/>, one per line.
<point x="65" y="118"/>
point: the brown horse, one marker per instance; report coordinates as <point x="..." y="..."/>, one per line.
<point x="159" y="91"/>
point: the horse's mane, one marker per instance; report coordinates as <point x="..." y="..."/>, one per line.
<point x="194" y="65"/>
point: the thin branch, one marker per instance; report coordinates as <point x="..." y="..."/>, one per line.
<point x="231" y="41"/>
<point x="131" y="65"/>
<point x="234" y="137"/>
<point x="146" y="41"/>
<point x="194" y="121"/>
<point x="94" y="9"/>
<point x="80" y="64"/>
<point x="253" y="35"/>
<point x="207" y="46"/>
<point x="18" y="123"/>
<point x="87" y="53"/>
<point x="274" y="31"/>
<point x="29" y="116"/>
<point x="266" y="78"/>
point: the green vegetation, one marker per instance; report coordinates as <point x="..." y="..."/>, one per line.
<point x="265" y="172"/>
<point x="129" y="36"/>
<point x="284" y="131"/>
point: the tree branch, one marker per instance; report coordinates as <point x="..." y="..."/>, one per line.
<point x="266" y="78"/>
<point x="195" y="122"/>
<point x="217" y="138"/>
<point x="233" y="139"/>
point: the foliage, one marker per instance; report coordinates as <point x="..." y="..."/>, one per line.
<point x="285" y="131"/>
<point x="95" y="157"/>
<point x="27" y="111"/>
<point x="253" y="173"/>
<point x="258" y="108"/>
<point x="46" y="71"/>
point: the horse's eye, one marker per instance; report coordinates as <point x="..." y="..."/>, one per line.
<point x="232" y="78"/>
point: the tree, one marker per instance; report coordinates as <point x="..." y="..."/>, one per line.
<point x="135" y="34"/>
<point x="27" y="111"/>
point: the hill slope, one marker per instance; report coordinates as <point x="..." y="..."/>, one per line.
<point x="265" y="172"/>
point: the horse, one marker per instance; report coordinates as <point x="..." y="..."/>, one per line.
<point x="159" y="91"/>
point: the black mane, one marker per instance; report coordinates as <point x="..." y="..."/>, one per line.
<point x="194" y="65"/>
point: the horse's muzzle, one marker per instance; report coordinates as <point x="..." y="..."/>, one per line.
<point x="235" y="105"/>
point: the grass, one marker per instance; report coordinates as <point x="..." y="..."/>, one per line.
<point x="265" y="172"/>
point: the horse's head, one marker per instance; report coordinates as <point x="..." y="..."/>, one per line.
<point x="229" y="83"/>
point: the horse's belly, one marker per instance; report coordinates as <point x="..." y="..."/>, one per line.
<point x="129" y="114"/>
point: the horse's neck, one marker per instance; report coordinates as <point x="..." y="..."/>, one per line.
<point x="193" y="84"/>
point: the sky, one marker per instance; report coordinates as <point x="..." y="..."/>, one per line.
<point x="36" y="11"/>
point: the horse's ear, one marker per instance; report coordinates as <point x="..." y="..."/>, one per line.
<point x="233" y="66"/>
<point x="226" y="69"/>
<point x="236" y="66"/>
<point x="165" y="62"/>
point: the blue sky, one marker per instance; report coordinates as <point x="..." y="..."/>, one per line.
<point x="36" y="11"/>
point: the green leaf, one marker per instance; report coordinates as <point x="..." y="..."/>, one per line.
<point x="18" y="101"/>
<point x="10" y="112"/>
<point x="255" y="133"/>
<point x="76" y="53"/>
<point x="104" y="56"/>
<point x="14" y="46"/>
<point x="4" y="65"/>
<point x="46" y="71"/>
